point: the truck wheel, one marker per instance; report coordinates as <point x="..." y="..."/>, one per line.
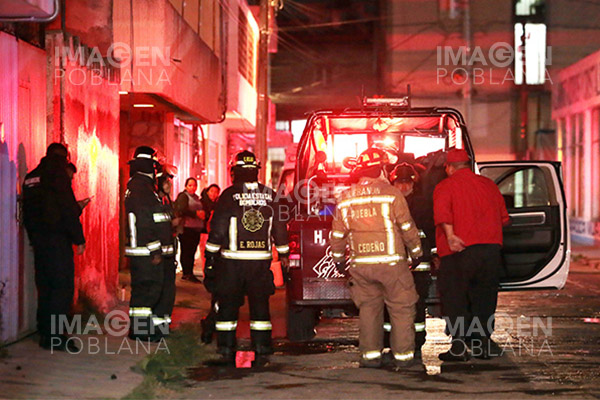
<point x="301" y="322"/>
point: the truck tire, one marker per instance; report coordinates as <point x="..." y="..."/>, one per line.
<point x="301" y="322"/>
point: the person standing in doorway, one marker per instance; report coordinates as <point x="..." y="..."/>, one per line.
<point x="189" y="207"/>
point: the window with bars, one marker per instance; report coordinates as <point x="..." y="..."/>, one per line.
<point x="246" y="48"/>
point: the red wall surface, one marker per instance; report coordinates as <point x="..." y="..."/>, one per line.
<point x="91" y="130"/>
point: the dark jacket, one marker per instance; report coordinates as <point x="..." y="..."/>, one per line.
<point x="184" y="210"/>
<point x="148" y="221"/>
<point x="49" y="204"/>
<point x="246" y="220"/>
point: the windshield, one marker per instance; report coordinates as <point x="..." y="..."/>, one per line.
<point x="331" y="143"/>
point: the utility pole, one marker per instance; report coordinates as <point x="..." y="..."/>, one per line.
<point x="262" y="87"/>
<point x="467" y="87"/>
<point x="522" y="146"/>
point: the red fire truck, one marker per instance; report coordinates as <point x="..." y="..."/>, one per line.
<point x="536" y="245"/>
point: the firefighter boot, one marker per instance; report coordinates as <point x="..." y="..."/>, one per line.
<point x="226" y="346"/>
<point x="261" y="339"/>
<point x="227" y="356"/>
<point x="208" y="329"/>
<point x="370" y="359"/>
<point x="458" y="351"/>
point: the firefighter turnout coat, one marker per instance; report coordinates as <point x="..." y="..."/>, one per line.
<point x="374" y="219"/>
<point x="246" y="222"/>
<point x="149" y="234"/>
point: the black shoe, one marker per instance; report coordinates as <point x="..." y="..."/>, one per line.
<point x="208" y="330"/>
<point x="480" y="348"/>
<point x="191" y="278"/>
<point x="458" y="352"/>
<point x="448" y="356"/>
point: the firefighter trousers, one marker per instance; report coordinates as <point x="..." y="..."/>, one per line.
<point x="55" y="281"/>
<point x="236" y="279"/>
<point x="422" y="283"/>
<point x="372" y="287"/>
<point x="152" y="296"/>
<point x="468" y="283"/>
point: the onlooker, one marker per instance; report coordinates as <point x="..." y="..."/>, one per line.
<point x="51" y="217"/>
<point x="469" y="213"/>
<point x="189" y="207"/>
<point x="209" y="197"/>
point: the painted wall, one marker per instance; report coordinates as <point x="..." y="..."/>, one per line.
<point x="90" y="123"/>
<point x="22" y="144"/>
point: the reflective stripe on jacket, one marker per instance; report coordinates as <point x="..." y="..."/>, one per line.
<point x="246" y="223"/>
<point x="373" y="219"/>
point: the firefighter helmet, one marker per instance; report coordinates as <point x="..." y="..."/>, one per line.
<point x="372" y="158"/>
<point x="404" y="172"/>
<point x="245" y="159"/>
<point x="144" y="161"/>
<point x="145" y="152"/>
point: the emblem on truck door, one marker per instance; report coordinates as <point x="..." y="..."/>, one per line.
<point x="325" y="267"/>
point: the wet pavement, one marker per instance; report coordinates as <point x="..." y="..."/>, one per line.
<point x="549" y="341"/>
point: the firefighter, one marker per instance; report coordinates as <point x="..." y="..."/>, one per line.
<point x="150" y="250"/>
<point x="51" y="218"/>
<point x="246" y="221"/>
<point x="372" y="217"/>
<point x="404" y="177"/>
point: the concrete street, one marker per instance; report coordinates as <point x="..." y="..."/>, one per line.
<point x="542" y="358"/>
<point x="550" y="341"/>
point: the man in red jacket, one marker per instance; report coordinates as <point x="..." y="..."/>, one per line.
<point x="469" y="213"/>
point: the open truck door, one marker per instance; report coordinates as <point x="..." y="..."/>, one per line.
<point x="537" y="245"/>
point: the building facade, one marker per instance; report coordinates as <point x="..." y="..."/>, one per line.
<point x="576" y="113"/>
<point x="509" y="113"/>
